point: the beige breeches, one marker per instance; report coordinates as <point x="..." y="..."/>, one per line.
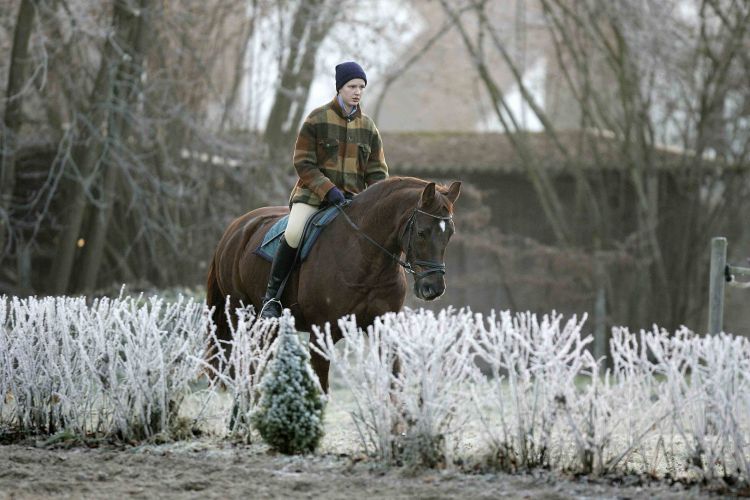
<point x="297" y="218"/>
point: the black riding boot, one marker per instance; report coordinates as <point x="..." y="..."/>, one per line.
<point x="281" y="266"/>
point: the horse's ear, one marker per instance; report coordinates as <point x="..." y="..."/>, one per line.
<point x="454" y="191"/>
<point x="428" y="195"/>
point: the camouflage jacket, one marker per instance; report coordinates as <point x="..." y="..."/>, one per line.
<point x="332" y="150"/>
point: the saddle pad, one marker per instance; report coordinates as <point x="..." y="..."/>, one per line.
<point x="272" y="239"/>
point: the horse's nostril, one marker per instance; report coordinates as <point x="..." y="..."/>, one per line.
<point x="429" y="291"/>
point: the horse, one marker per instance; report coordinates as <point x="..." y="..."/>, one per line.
<point x="357" y="266"/>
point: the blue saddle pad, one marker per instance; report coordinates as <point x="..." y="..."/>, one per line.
<point x="272" y="239"/>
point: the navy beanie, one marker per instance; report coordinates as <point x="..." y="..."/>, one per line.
<point x="348" y="71"/>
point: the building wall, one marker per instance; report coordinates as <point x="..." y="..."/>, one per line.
<point x="442" y="92"/>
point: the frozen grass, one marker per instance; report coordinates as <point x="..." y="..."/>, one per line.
<point x="130" y="368"/>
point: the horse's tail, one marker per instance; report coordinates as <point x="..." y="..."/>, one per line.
<point x="214" y="297"/>
<point x="215" y="352"/>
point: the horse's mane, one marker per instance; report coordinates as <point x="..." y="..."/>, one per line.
<point x="390" y="186"/>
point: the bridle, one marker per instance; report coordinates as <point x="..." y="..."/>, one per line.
<point x="428" y="266"/>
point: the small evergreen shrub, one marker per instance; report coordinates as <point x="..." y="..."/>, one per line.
<point x="289" y="415"/>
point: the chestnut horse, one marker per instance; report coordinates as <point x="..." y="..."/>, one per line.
<point x="357" y="266"/>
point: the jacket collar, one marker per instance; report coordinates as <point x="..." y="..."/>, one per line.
<point x="337" y="108"/>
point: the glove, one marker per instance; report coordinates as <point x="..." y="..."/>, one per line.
<point x="334" y="196"/>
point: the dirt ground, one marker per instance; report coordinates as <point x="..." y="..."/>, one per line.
<point x="211" y="469"/>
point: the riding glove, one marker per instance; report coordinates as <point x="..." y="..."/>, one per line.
<point x="334" y="196"/>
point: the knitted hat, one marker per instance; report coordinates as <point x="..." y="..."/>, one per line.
<point x="348" y="71"/>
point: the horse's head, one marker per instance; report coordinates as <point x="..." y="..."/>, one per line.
<point x="426" y="236"/>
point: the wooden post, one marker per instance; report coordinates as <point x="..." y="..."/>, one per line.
<point x="716" y="285"/>
<point x="601" y="338"/>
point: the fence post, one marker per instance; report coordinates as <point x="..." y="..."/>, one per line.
<point x="716" y="285"/>
<point x="601" y="337"/>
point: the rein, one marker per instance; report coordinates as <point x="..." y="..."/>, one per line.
<point x="430" y="266"/>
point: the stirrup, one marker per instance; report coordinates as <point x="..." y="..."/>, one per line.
<point x="266" y="303"/>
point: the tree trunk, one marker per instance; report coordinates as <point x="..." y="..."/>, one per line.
<point x="311" y="24"/>
<point x="131" y="38"/>
<point x="100" y="108"/>
<point x="540" y="179"/>
<point x="13" y="115"/>
<point x="240" y="69"/>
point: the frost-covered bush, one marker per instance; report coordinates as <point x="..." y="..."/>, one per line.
<point x="631" y="407"/>
<point x="152" y="365"/>
<point x="289" y="415"/>
<point x="534" y="368"/>
<point x="112" y="368"/>
<point x="609" y="417"/>
<point x="408" y="375"/>
<point x="676" y="403"/>
<point x="707" y="384"/>
<point x="253" y="342"/>
<point x="670" y="402"/>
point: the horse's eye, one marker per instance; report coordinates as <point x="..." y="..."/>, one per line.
<point x="421" y="233"/>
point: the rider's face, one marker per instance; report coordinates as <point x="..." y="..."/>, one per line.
<point x="352" y="91"/>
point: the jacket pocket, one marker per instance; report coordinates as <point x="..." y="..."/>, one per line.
<point x="364" y="155"/>
<point x="328" y="151"/>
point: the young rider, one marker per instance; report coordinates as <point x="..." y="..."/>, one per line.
<point x="338" y="152"/>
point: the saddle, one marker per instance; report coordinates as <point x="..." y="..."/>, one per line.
<point x="318" y="221"/>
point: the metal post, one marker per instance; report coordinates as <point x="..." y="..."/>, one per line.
<point x="716" y="285"/>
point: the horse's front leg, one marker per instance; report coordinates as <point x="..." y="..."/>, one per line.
<point x="400" y="418"/>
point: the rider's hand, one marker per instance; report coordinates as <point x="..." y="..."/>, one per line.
<point x="334" y="196"/>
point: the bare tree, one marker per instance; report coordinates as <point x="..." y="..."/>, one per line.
<point x="311" y="23"/>
<point x="133" y="25"/>
<point x="540" y="179"/>
<point x="120" y="100"/>
<point x="653" y="90"/>
<point x="100" y="127"/>
<point x="18" y="79"/>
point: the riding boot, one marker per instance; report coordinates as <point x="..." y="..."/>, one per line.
<point x="281" y="266"/>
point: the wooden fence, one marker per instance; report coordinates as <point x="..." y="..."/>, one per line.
<point x="722" y="275"/>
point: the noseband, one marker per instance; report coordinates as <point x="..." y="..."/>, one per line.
<point x="429" y="266"/>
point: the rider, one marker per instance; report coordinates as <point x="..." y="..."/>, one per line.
<point x="338" y="152"/>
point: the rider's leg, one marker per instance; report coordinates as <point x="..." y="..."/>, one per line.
<point x="297" y="219"/>
<point x="284" y="258"/>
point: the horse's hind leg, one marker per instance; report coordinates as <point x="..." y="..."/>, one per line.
<point x="219" y="347"/>
<point x="320" y="366"/>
